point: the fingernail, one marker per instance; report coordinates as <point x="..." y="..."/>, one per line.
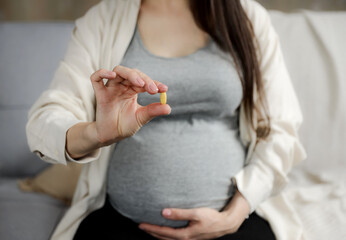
<point x="167" y="212"/>
<point x="153" y="87"/>
<point x="141" y="227"/>
<point x="140" y="81"/>
<point x="113" y="74"/>
<point x="163" y="87"/>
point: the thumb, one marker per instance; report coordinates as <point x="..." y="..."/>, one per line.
<point x="145" y="113"/>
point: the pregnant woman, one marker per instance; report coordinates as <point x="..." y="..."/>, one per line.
<point x="195" y="168"/>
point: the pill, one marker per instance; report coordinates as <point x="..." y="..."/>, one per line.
<point x="163" y="98"/>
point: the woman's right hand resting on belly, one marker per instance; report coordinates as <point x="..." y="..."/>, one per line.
<point x="118" y="115"/>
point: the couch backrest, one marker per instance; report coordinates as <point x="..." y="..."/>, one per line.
<point x="29" y="55"/>
<point x="314" y="50"/>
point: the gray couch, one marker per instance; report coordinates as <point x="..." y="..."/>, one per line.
<point x="314" y="50"/>
<point x="29" y="55"/>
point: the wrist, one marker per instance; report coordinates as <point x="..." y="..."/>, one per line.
<point x="90" y="133"/>
<point x="237" y="209"/>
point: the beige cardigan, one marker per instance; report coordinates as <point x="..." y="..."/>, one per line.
<point x="99" y="40"/>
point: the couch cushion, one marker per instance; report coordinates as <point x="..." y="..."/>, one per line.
<point x="29" y="56"/>
<point x="29" y="216"/>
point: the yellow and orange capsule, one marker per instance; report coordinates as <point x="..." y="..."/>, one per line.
<point x="163" y="98"/>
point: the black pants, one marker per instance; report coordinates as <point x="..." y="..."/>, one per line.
<point x="106" y="223"/>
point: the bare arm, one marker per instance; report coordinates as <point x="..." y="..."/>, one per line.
<point x="81" y="140"/>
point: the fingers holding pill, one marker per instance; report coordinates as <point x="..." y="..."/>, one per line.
<point x="140" y="82"/>
<point x="130" y="75"/>
<point x="150" y="85"/>
<point x="118" y="112"/>
<point x="161" y="88"/>
<point x="137" y="78"/>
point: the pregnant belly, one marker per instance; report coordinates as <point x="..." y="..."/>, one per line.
<point x="173" y="164"/>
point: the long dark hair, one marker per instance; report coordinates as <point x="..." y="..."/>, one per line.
<point x="227" y="23"/>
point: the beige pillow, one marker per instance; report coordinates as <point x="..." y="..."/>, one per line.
<point x="58" y="181"/>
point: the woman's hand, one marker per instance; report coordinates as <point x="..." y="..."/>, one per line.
<point x="118" y="115"/>
<point x="205" y="223"/>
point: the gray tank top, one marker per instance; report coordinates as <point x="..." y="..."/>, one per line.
<point x="185" y="159"/>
